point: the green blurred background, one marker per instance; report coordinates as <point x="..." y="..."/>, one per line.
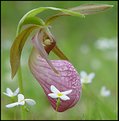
<point x="90" y="43"/>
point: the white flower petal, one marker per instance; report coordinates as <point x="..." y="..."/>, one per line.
<point x="22" y="102"/>
<point x="16" y="92"/>
<point x="6" y="94"/>
<point x="20" y="97"/>
<point x="12" y="105"/>
<point x="91" y="75"/>
<point x="66" y="92"/>
<point x="54" y="89"/>
<point x="64" y="97"/>
<point x="88" y="81"/>
<point x="30" y="101"/>
<point x="103" y="89"/>
<point x="53" y="95"/>
<point x="85" y="80"/>
<point x="83" y="74"/>
<point x="82" y="80"/>
<point x="9" y="92"/>
<point x="104" y="92"/>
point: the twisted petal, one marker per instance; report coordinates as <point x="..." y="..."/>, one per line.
<point x="39" y="46"/>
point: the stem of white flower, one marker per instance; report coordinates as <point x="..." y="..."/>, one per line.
<point x="57" y="104"/>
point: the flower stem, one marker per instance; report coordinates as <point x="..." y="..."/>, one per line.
<point x="19" y="74"/>
<point x="21" y="90"/>
<point x="22" y="113"/>
<point x="14" y="113"/>
<point x="20" y="79"/>
<point x="100" y="101"/>
<point x="57" y="104"/>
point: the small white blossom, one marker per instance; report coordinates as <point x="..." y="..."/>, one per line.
<point x="9" y="92"/>
<point x="21" y="101"/>
<point x="57" y="94"/>
<point x="105" y="43"/>
<point x="104" y="92"/>
<point x="85" y="78"/>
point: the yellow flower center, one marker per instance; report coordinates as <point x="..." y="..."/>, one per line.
<point x="59" y="94"/>
<point x="86" y="79"/>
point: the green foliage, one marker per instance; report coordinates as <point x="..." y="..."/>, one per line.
<point x="36" y="11"/>
<point x="30" y="20"/>
<point x="16" y="49"/>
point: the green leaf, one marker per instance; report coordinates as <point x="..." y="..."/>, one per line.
<point x="30" y="20"/>
<point x="54" y="17"/>
<point x="17" y="46"/>
<point x="36" y="11"/>
<point x="83" y="9"/>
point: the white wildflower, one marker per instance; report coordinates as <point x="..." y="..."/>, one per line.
<point x="21" y="101"/>
<point x="104" y="92"/>
<point x="85" y="78"/>
<point x="57" y="94"/>
<point x="10" y="93"/>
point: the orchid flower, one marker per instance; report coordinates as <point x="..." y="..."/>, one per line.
<point x="85" y="78"/>
<point x="59" y="73"/>
<point x="9" y="92"/>
<point x="104" y="92"/>
<point x="21" y="101"/>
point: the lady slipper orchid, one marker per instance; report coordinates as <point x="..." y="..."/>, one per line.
<point x="59" y="73"/>
<point x="51" y="74"/>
